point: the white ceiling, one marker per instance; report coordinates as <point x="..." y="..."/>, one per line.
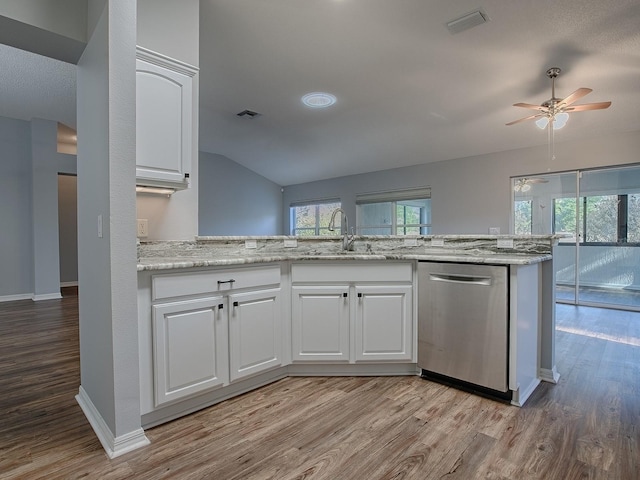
<point x="408" y="91"/>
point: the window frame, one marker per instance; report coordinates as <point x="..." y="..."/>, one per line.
<point x="317" y="204"/>
<point x="396" y="199"/>
<point x="622" y="222"/>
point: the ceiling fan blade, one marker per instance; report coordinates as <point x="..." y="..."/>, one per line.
<point x="531" y="106"/>
<point x="531" y="117"/>
<point x="588" y="106"/>
<point x="575" y="96"/>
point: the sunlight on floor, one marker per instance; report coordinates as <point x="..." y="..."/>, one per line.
<point x="603" y="336"/>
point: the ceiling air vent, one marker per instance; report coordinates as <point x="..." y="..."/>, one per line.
<point x="467" y="21"/>
<point x="249" y="114"/>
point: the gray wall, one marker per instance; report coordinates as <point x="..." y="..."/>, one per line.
<point x="469" y="195"/>
<point x="46" y="164"/>
<point x="235" y="200"/>
<point x="106" y="178"/>
<point x="29" y="167"/>
<point x="68" y="229"/>
<point x="16" y="233"/>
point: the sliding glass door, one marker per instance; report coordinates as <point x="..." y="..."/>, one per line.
<point x="609" y="251"/>
<point x="598" y="262"/>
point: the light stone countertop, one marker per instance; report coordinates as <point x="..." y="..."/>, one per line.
<point x="167" y="263"/>
<point x="223" y="251"/>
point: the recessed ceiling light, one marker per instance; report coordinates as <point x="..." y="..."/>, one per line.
<point x="318" y="100"/>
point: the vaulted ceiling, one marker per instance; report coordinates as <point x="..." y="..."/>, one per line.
<point x="408" y="91"/>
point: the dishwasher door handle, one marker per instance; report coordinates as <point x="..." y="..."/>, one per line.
<point x="465" y="279"/>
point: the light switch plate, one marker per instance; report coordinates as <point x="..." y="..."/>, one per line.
<point x="505" y="243"/>
<point x="250" y="244"/>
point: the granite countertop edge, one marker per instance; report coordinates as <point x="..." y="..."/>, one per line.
<point x="164" y="263"/>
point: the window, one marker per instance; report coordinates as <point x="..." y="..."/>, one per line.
<point x="523" y="217"/>
<point x="602" y="219"/>
<point x="406" y="212"/>
<point x="313" y="218"/>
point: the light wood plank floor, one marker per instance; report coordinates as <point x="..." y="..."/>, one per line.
<point x="587" y="426"/>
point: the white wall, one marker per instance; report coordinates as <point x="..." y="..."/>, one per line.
<point x="235" y="200"/>
<point x="63" y="17"/>
<point x="172" y="28"/>
<point x="160" y="20"/>
<point x="469" y="195"/>
<point x="56" y="29"/>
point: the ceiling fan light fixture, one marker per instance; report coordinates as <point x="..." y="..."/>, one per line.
<point x="542" y="122"/>
<point x="559" y="120"/>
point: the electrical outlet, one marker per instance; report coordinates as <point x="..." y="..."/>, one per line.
<point x="494" y="230"/>
<point x="143" y="228"/>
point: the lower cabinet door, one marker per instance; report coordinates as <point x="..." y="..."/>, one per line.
<point x="255" y="338"/>
<point x="190" y="348"/>
<point x="384" y="323"/>
<point x="320" y="323"/>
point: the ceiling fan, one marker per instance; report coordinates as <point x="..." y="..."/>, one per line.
<point x="556" y="110"/>
<point x="524" y="184"/>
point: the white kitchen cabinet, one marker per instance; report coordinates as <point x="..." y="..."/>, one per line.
<point x="208" y="328"/>
<point x="255" y="339"/>
<point x="189" y="348"/>
<point x="320" y="323"/>
<point x="354" y="313"/>
<point x="165" y="107"/>
<point x="384" y="323"/>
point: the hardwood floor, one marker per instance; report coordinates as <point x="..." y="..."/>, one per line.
<point x="587" y="426"/>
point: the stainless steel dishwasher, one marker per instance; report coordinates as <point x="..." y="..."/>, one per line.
<point x="463" y="326"/>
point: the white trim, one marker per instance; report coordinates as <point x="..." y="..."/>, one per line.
<point x="46" y="296"/>
<point x="551" y="376"/>
<point x="164" y="61"/>
<point x="519" y="397"/>
<point x="13" y="298"/>
<point x="69" y="284"/>
<point x="113" y="446"/>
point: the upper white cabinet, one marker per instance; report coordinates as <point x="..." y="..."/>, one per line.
<point x="165" y="107"/>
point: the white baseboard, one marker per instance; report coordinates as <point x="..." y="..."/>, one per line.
<point x="69" y="284"/>
<point x="114" y="446"/>
<point x="46" y="296"/>
<point x="551" y="376"/>
<point x="521" y="395"/>
<point x="13" y="298"/>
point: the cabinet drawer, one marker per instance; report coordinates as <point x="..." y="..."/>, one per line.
<point x="212" y="281"/>
<point x="351" y="272"/>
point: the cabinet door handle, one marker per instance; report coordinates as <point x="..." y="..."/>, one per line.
<point x="221" y="306"/>
<point x="220" y="282"/>
<point x="359" y="294"/>
<point x="344" y="295"/>
<point x="235" y="304"/>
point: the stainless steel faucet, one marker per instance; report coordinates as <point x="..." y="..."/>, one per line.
<point x="347" y="240"/>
